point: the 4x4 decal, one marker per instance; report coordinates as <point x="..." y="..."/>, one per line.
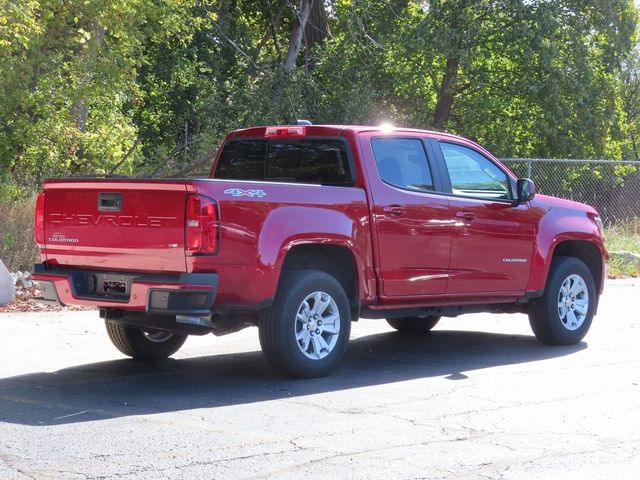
<point x="238" y="192"/>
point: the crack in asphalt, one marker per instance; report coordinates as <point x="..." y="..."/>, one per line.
<point x="10" y="462"/>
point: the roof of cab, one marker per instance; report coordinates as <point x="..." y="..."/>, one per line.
<point x="337" y="130"/>
<point x="257" y="130"/>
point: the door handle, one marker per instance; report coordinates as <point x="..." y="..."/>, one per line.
<point x="395" y="210"/>
<point x="466" y="215"/>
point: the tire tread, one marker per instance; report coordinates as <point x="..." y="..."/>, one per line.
<point x="273" y="331"/>
<point x="543" y="311"/>
<point x="132" y="342"/>
<point x="413" y="325"/>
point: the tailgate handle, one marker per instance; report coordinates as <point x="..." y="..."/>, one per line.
<point x="109" y="202"/>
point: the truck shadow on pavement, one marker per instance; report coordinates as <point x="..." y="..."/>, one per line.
<point x="122" y="388"/>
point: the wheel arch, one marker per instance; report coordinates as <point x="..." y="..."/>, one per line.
<point x="587" y="252"/>
<point x="335" y="260"/>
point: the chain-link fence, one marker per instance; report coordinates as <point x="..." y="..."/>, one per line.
<point x="612" y="187"/>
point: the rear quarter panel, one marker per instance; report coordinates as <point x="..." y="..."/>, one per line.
<point x="257" y="232"/>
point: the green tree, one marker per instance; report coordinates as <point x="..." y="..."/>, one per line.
<point x="630" y="97"/>
<point x="69" y="72"/>
<point x="526" y="78"/>
<point x="151" y="86"/>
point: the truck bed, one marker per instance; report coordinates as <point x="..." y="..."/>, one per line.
<point x="138" y="226"/>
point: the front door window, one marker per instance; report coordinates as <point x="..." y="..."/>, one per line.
<point x="473" y="175"/>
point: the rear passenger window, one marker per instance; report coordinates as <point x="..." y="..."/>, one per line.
<point x="320" y="161"/>
<point x="402" y="162"/>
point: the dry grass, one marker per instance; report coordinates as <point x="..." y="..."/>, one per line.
<point x="624" y="237"/>
<point x="17" y="247"/>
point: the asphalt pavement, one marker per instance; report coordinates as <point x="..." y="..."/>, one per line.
<point x="477" y="398"/>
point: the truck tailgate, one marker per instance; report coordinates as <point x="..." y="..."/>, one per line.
<point x="117" y="225"/>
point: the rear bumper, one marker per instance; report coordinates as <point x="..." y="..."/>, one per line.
<point x="163" y="294"/>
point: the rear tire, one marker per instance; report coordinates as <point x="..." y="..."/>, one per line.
<point x="413" y="325"/>
<point x="306" y="331"/>
<point x="144" y="344"/>
<point x="563" y="315"/>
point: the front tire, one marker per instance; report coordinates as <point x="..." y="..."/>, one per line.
<point x="144" y="344"/>
<point x="413" y="325"/>
<point x="306" y="331"/>
<point x="563" y="315"/>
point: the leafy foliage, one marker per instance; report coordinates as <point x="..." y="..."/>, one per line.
<point x="151" y="86"/>
<point x="630" y="99"/>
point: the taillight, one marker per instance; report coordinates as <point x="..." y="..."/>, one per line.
<point x="39" y="221"/>
<point x="201" y="228"/>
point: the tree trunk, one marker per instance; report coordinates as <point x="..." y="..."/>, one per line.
<point x="316" y="32"/>
<point x="296" y="36"/>
<point x="446" y="93"/>
<point x="289" y="63"/>
<point x="318" y="25"/>
<point x="89" y="58"/>
<point x="456" y="16"/>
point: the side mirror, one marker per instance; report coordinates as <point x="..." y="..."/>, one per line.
<point x="526" y="190"/>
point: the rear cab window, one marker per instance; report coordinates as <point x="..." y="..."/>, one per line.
<point x="323" y="161"/>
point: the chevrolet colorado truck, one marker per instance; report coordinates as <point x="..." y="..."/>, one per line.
<point x="302" y="229"/>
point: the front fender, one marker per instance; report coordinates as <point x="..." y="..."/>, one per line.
<point x="557" y="226"/>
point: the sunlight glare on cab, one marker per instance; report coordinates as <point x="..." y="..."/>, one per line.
<point x="386" y="127"/>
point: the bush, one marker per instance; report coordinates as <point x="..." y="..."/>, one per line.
<point x="623" y="237"/>
<point x="17" y="247"/>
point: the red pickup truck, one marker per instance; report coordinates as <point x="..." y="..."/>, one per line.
<point x="301" y="230"/>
